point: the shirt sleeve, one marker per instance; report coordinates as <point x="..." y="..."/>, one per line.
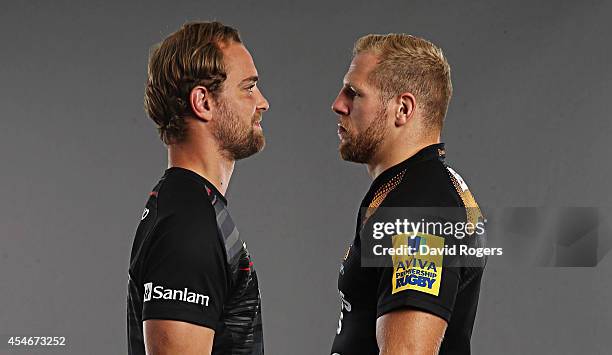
<point x="185" y="275"/>
<point x="422" y="280"/>
<point x="418" y="283"/>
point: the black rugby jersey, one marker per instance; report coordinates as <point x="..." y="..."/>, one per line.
<point x="188" y="263"/>
<point x="366" y="293"/>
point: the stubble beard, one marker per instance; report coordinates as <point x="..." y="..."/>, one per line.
<point x="361" y="148"/>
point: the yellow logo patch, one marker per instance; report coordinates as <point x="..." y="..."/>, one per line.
<point x="418" y="272"/>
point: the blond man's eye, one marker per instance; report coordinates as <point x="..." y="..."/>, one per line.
<point x="350" y="92"/>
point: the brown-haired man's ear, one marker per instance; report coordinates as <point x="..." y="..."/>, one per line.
<point x="200" y="100"/>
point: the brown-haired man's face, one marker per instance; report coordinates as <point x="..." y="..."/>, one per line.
<point x="240" y="105"/>
<point x="361" y="115"/>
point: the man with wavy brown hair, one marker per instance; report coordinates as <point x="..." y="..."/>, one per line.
<point x="390" y="114"/>
<point x="193" y="288"/>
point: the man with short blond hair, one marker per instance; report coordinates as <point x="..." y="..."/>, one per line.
<point x="411" y="64"/>
<point x="193" y="288"/>
<point x="391" y="111"/>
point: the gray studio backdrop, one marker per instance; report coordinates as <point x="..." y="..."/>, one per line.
<point x="528" y="126"/>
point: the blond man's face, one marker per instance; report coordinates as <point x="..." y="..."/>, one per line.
<point x="362" y="119"/>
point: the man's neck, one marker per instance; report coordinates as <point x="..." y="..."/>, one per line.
<point x="207" y="161"/>
<point x="387" y="158"/>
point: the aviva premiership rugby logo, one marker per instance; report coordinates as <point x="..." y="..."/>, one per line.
<point x="418" y="272"/>
<point x="159" y="292"/>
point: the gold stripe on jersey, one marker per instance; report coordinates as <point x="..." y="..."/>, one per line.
<point x="382" y="193"/>
<point x="473" y="213"/>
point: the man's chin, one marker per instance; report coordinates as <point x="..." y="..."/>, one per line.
<point x="348" y="154"/>
<point x="255" y="145"/>
<point x="260" y="145"/>
<point x="259" y="141"/>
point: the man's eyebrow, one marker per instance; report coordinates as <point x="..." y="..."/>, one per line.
<point x="250" y="79"/>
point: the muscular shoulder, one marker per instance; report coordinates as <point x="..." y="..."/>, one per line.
<point x="435" y="184"/>
<point x="185" y="215"/>
<point x="426" y="184"/>
<point x="181" y="195"/>
<point x="180" y="224"/>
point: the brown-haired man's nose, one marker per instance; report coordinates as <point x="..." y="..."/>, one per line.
<point x="263" y="103"/>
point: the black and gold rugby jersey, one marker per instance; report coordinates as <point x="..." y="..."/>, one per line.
<point x="366" y="293"/>
<point x="188" y="263"/>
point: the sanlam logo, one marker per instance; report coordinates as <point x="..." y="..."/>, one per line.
<point x="159" y="292"/>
